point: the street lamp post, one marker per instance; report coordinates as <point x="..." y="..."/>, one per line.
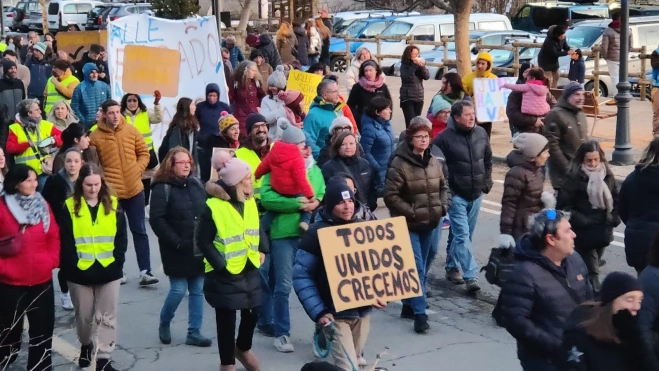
<point x="622" y="152"/>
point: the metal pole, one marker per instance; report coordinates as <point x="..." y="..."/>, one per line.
<point x="2" y="21"/>
<point x="622" y="152"/>
<point x="218" y="9"/>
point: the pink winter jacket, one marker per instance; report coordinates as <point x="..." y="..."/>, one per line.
<point x="534" y="97"/>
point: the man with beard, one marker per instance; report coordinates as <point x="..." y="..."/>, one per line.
<point x="255" y="147"/>
<point x="12" y="91"/>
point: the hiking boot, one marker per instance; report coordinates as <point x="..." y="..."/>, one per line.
<point x="196" y="339"/>
<point x="454" y="275"/>
<point x="248" y="359"/>
<point x="104" y="365"/>
<point x="283" y="344"/>
<point x="66" y="301"/>
<point x="86" y="354"/>
<point x="147" y="279"/>
<point x="165" y="333"/>
<point x="421" y="323"/>
<point x="472" y="286"/>
<point x="407" y="312"/>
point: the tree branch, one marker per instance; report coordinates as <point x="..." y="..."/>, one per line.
<point x="441" y="4"/>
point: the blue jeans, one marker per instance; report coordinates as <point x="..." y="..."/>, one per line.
<point x="276" y="283"/>
<point x="177" y="288"/>
<point x="434" y="246"/>
<point x="463" y="215"/>
<point x="421" y="245"/>
<point x="134" y="209"/>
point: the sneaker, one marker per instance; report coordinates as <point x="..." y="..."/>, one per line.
<point x="454" y="275"/>
<point x="421" y="323"/>
<point x="196" y="339"/>
<point x="86" y="354"/>
<point x="283" y="344"/>
<point x="361" y="362"/>
<point x="304" y="226"/>
<point x="104" y="365"/>
<point x="66" y="301"/>
<point x="164" y="333"/>
<point x="265" y="330"/>
<point x="123" y="278"/>
<point x="472" y="286"/>
<point x="147" y="279"/>
<point x="407" y="312"/>
<point x="446" y="224"/>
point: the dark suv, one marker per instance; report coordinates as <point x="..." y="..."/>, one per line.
<point x="537" y="17"/>
<point x="99" y="17"/>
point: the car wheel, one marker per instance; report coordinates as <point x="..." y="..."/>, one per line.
<point x="338" y="64"/>
<point x="603" y="91"/>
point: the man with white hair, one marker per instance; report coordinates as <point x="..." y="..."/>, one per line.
<point x="235" y="54"/>
<point x="325" y="108"/>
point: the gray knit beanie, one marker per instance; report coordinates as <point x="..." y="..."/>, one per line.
<point x="571" y="88"/>
<point x="291" y="134"/>
<point x="530" y="144"/>
<point x="278" y="78"/>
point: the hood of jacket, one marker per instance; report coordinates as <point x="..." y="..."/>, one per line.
<point x="87" y="69"/>
<point x="212" y="88"/>
<point x="355" y="60"/>
<point x="524" y="250"/>
<point x="516" y="158"/>
<point x="486" y="56"/>
<point x="264" y="40"/>
<point x="320" y="103"/>
<point x="220" y="190"/>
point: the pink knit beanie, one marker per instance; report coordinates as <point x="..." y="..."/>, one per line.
<point x="231" y="169"/>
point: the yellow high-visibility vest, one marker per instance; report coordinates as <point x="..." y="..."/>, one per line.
<point x="250" y="157"/>
<point x="237" y="237"/>
<point x="142" y="125"/>
<point x="29" y="157"/>
<point x="94" y="240"/>
<point x="53" y="96"/>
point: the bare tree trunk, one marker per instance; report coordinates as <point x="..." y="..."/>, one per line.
<point x="44" y="16"/>
<point x="245" y="14"/>
<point x="462" y="9"/>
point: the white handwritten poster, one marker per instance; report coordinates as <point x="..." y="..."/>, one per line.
<point x="490" y="98"/>
<point x="177" y="57"/>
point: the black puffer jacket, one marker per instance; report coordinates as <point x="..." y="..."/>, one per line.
<point x="411" y="81"/>
<point x="172" y="218"/>
<point x="222" y="289"/>
<point x="552" y="49"/>
<point x="522" y="190"/>
<point x="523" y="122"/>
<point x="269" y="50"/>
<point x="359" y="98"/>
<point x="469" y="159"/>
<point x="593" y="227"/>
<point x="639" y="210"/>
<point x="535" y="306"/>
<point x="360" y="170"/>
<point x="649" y="313"/>
<point x="416" y="189"/>
<point x="582" y="352"/>
<point x="566" y="131"/>
<point x="177" y="137"/>
<point x="302" y="46"/>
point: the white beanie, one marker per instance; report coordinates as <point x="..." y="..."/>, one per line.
<point x="338" y="122"/>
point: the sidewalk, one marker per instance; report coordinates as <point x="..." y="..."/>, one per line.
<point x="640" y="119"/>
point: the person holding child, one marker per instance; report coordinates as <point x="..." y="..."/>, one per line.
<point x="534" y="92"/>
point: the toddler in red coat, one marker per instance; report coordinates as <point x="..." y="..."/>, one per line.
<point x="288" y="170"/>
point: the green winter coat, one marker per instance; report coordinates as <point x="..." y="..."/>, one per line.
<point x="287" y="223"/>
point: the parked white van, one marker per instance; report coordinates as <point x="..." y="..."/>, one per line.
<point x="66" y="13"/>
<point x="585" y="35"/>
<point x="429" y="28"/>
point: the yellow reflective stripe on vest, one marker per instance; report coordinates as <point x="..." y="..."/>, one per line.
<point x="94" y="240"/>
<point x="143" y="126"/>
<point x="29" y="157"/>
<point x="237" y="238"/>
<point x="250" y="157"/>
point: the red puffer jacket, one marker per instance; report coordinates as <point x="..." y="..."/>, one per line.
<point x="38" y="256"/>
<point x="289" y="173"/>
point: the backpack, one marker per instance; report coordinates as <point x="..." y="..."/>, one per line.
<point x="500" y="266"/>
<point x="654" y="59"/>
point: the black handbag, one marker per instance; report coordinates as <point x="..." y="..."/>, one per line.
<point x="500" y="266"/>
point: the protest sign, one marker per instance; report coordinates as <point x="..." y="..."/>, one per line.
<point x="306" y="83"/>
<point x="214" y="176"/>
<point x="138" y="65"/>
<point x="75" y="44"/>
<point x="490" y="99"/>
<point x="369" y="261"/>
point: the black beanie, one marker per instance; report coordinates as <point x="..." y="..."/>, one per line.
<point x="336" y="191"/>
<point x="617" y="284"/>
<point x="320" y="366"/>
<point x="252" y="119"/>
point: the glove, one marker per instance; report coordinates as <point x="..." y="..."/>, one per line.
<point x="158" y="96"/>
<point x="548" y="200"/>
<point x="46" y="142"/>
<point x="506" y="241"/>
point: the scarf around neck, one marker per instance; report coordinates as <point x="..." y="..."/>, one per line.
<point x="372" y="85"/>
<point x="599" y="194"/>
<point x="29" y="123"/>
<point x="29" y="209"/>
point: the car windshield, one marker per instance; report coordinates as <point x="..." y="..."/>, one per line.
<point x="341" y="26"/>
<point x="354" y="28"/>
<point x="500" y="56"/>
<point x="583" y="37"/>
<point x="397" y="29"/>
<point x="582" y="14"/>
<point x="97" y="11"/>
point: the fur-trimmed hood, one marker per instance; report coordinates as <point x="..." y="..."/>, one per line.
<point x="224" y="192"/>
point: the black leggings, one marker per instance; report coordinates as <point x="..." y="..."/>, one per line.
<point x="63" y="285"/>
<point x="411" y="109"/>
<point x="227" y="341"/>
<point x="147" y="190"/>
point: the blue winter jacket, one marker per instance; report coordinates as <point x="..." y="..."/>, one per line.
<point x="235" y="55"/>
<point x="378" y="143"/>
<point x="577" y="71"/>
<point x="40" y="72"/>
<point x="535" y="305"/>
<point x="309" y="275"/>
<point x="88" y="96"/>
<point x="318" y="121"/>
<point x="208" y="114"/>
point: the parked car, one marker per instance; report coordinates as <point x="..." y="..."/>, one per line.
<point x="22" y="11"/>
<point x="8" y="17"/>
<point x="34" y="21"/>
<point x="342" y="20"/>
<point x="483" y="37"/>
<point x="428" y="28"/>
<point x="587" y="34"/>
<point x="536" y="17"/>
<point x="97" y="18"/>
<point x="122" y="10"/>
<point x="67" y="13"/>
